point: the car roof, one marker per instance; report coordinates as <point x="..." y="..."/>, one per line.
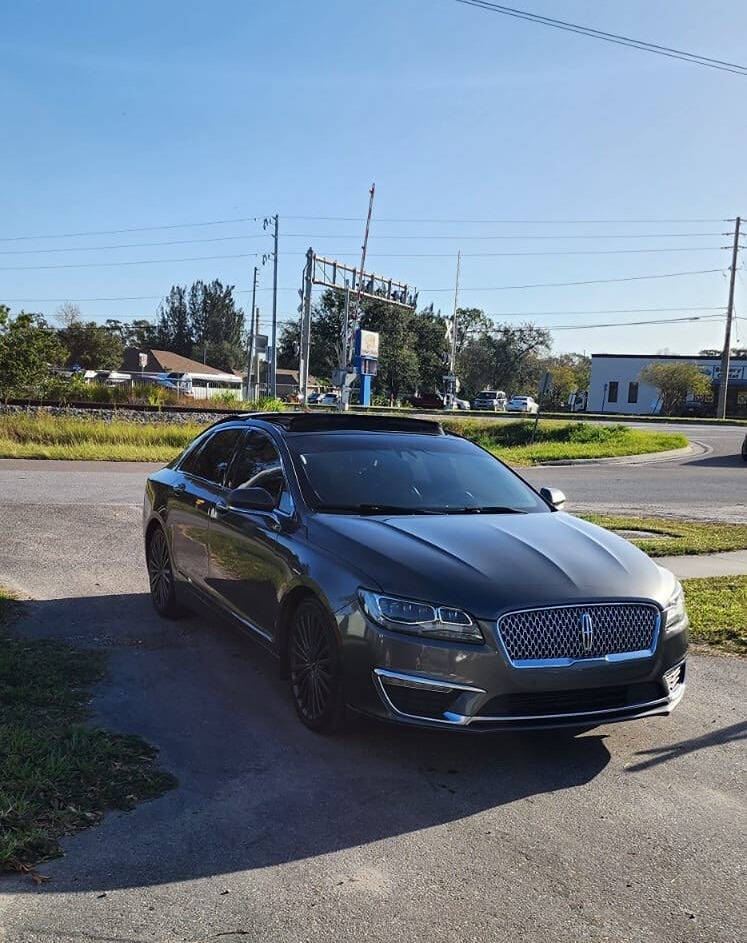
<point x="300" y="422"/>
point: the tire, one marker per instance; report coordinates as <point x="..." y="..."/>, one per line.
<point x="161" y="575"/>
<point x="315" y="669"/>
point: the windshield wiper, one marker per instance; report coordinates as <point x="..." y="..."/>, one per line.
<point x="400" y="509"/>
<point x="375" y="509"/>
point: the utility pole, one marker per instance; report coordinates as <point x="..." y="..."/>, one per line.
<point x="724" y="379"/>
<point x="452" y="356"/>
<point x="252" y="335"/>
<point x="274" y="382"/>
<point x="256" y="355"/>
<point x="364" y="248"/>
<point x="303" y="371"/>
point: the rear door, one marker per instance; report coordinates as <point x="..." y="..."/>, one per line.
<point x="192" y="499"/>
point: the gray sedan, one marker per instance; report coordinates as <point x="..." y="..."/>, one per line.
<point x="407" y="574"/>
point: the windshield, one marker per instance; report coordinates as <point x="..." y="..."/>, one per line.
<point x="391" y="473"/>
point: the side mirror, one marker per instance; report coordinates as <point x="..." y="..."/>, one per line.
<point x="251" y="499"/>
<point x="553" y="496"/>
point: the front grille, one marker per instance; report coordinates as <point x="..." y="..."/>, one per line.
<point x="539" y="703"/>
<point x="557" y="633"/>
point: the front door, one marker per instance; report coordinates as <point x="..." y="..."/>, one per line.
<point x="192" y="499"/>
<point x="246" y="571"/>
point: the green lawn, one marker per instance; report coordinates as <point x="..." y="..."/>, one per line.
<point x="676" y="537"/>
<point x="556" y="440"/>
<point x="718" y="612"/>
<point x="58" y="774"/>
<point x="45" y="436"/>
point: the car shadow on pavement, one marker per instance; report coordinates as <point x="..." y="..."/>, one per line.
<point x="255" y="787"/>
<point x="673" y="750"/>
<point x="720" y="461"/>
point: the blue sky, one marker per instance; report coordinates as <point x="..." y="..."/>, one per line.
<point x="125" y="116"/>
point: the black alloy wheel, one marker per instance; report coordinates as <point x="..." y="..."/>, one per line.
<point x="315" y="670"/>
<point x="161" y="575"/>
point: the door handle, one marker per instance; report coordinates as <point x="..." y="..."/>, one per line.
<point x="180" y="487"/>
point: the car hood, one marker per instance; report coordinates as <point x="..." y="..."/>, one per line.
<point x="488" y="563"/>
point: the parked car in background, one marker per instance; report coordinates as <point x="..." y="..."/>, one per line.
<point x="426" y="400"/>
<point x="490" y="399"/>
<point x="461" y="403"/>
<point x="411" y="575"/>
<point x="522" y="404"/>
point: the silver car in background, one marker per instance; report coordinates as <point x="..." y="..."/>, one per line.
<point x="490" y="399"/>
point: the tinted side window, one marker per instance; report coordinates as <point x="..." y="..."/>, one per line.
<point x="257" y="465"/>
<point x="214" y="456"/>
<point x="187" y="464"/>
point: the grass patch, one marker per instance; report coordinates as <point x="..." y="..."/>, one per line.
<point x="556" y="441"/>
<point x="676" y="537"/>
<point x="58" y="775"/>
<point x="44" y="436"/>
<point x="717" y="607"/>
<point x="54" y="437"/>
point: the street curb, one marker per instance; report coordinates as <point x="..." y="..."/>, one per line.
<point x="645" y="458"/>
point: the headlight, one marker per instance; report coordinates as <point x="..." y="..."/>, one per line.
<point x="675" y="615"/>
<point x="420" y="618"/>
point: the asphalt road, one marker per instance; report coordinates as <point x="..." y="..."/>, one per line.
<point x="625" y="833"/>
<point x="710" y="485"/>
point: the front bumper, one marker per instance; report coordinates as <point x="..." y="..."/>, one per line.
<point x="425" y="682"/>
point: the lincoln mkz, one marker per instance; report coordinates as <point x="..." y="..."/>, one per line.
<point x="407" y="574"/>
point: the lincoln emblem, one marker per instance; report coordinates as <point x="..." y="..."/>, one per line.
<point x="587" y="632"/>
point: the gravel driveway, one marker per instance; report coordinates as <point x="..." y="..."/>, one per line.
<point x="626" y="833"/>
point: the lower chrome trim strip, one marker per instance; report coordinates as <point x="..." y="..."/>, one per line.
<point x="644" y="706"/>
<point x="452" y="719"/>
<point x="425" y="684"/>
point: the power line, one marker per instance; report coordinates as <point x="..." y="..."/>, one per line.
<point x="589" y="327"/>
<point x="494" y="255"/>
<point x="595" y="281"/>
<point x="194" y="258"/>
<point x="516" y="222"/>
<point x="539" y="314"/>
<point x="357" y="219"/>
<point x="118" y="232"/>
<point x="513" y="237"/>
<point x="132" y="245"/>
<point x="642" y="45"/>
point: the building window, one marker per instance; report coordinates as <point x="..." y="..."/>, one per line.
<point x="612" y="392"/>
<point x="632" y="392"/>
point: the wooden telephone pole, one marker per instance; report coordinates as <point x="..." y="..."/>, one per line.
<point x="724" y="379"/>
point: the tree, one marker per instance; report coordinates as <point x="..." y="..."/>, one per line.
<point x="503" y="356"/>
<point x="68" y="313"/>
<point x="91" y="346"/>
<point x="675" y="381"/>
<point x="29" y="346"/>
<point x="568" y="372"/>
<point x="139" y="333"/>
<point x="174" y="330"/>
<point x="217" y="325"/>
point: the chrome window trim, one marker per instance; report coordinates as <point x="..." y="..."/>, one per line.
<point x="612" y="658"/>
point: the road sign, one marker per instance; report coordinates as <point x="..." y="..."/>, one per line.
<point x="367" y="344"/>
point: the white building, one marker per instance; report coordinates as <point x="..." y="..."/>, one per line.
<point x="615" y="385"/>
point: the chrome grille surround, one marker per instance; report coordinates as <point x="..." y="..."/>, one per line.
<point x="552" y="637"/>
